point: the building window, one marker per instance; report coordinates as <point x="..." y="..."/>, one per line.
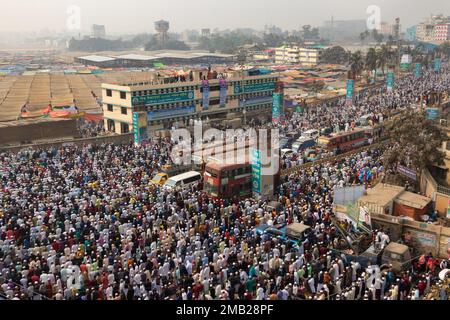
<point x="108" y="93"/>
<point x="123" y="95"/>
<point x="110" y="108"/>
<point x="124" y="110"/>
<point x="124" y="128"/>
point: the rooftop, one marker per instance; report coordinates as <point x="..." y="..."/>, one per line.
<point x="382" y="194"/>
<point x="96" y="58"/>
<point x="413" y="200"/>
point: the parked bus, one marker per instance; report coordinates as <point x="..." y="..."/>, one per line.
<point x="228" y="181"/>
<point x="345" y="141"/>
<point x="183" y="180"/>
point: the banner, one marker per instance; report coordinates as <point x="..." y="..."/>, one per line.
<point x="350" y="91"/>
<point x="277" y="105"/>
<point x="223" y="92"/>
<point x="163" y="98"/>
<point x="404" y="171"/>
<point x="433" y="113"/>
<point x="418" y="70"/>
<point x="256" y="171"/>
<point x="205" y="86"/>
<point x="139" y="127"/>
<point x="390" y="81"/>
<point x="437" y="64"/>
<point x="364" y="217"/>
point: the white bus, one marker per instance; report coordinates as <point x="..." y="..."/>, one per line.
<point x="311" y="134"/>
<point x="183" y="180"/>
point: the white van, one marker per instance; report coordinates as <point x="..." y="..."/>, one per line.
<point x="311" y="134"/>
<point x="183" y="180"/>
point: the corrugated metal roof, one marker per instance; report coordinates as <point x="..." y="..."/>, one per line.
<point x="136" y="57"/>
<point x="95" y="58"/>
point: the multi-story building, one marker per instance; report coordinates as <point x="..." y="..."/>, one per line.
<point x="165" y="101"/>
<point x="386" y="29"/>
<point x="441" y="32"/>
<point x="98" y="31"/>
<point x="297" y="55"/>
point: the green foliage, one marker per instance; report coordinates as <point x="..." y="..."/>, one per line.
<point x="98" y="44"/>
<point x="335" y="55"/>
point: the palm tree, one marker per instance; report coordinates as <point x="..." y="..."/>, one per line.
<point x="371" y="59"/>
<point x="356" y="63"/>
<point x="384" y="56"/>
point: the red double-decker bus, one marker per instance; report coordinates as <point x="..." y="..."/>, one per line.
<point x="346" y="141"/>
<point x="228" y="181"/>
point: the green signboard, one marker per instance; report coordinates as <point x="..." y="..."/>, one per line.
<point x="255" y="88"/>
<point x="405" y="67"/>
<point x="350" y="89"/>
<point x="418" y="69"/>
<point x="437" y="64"/>
<point x="136" y="127"/>
<point x="278" y="100"/>
<point x="164" y="98"/>
<point x="256" y="169"/>
<point x="390" y="81"/>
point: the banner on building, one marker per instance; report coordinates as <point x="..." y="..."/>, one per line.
<point x="350" y="91"/>
<point x="418" y="70"/>
<point x="277" y="107"/>
<point x="390" y="81"/>
<point x="206" y="89"/>
<point x="223" y="92"/>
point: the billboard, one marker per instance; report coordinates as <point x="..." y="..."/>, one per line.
<point x="390" y="81"/>
<point x="277" y="107"/>
<point x="139" y="127"/>
<point x="404" y="171"/>
<point x="250" y="88"/>
<point x="205" y="86"/>
<point x="164" y="98"/>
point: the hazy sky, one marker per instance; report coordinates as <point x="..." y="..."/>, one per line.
<point x="129" y="16"/>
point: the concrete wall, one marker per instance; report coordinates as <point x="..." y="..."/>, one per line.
<point x="114" y="139"/>
<point x="430" y="188"/>
<point x="38" y="131"/>
<point x="426" y="237"/>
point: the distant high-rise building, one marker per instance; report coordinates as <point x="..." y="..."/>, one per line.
<point x="162" y="27"/>
<point x="98" y="31"/>
<point x="206" y="33"/>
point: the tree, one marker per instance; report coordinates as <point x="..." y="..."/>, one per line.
<point x="356" y="63"/>
<point x="371" y="59"/>
<point x="273" y="40"/>
<point x="171" y="44"/>
<point x="335" y="55"/>
<point x="414" y="144"/>
<point x="306" y="31"/>
<point x="384" y="57"/>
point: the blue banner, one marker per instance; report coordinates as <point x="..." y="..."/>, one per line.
<point x="205" y="85"/>
<point x="223" y="92"/>
<point x="433" y="113"/>
<point x="170" y="113"/>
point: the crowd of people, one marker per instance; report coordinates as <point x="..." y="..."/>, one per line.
<point x="85" y="223"/>
<point x="377" y="104"/>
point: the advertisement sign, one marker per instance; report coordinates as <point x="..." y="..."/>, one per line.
<point x="277" y="105"/>
<point x="223" y="92"/>
<point x="350" y="89"/>
<point x="139" y="127"/>
<point x="390" y="81"/>
<point x="256" y="170"/>
<point x="205" y="85"/>
<point x="411" y="174"/>
<point x="433" y="113"/>
<point x="155" y="99"/>
<point x="136" y="127"/>
<point x="437" y="64"/>
<point x="250" y="88"/>
<point x="170" y="113"/>
<point x="418" y="70"/>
